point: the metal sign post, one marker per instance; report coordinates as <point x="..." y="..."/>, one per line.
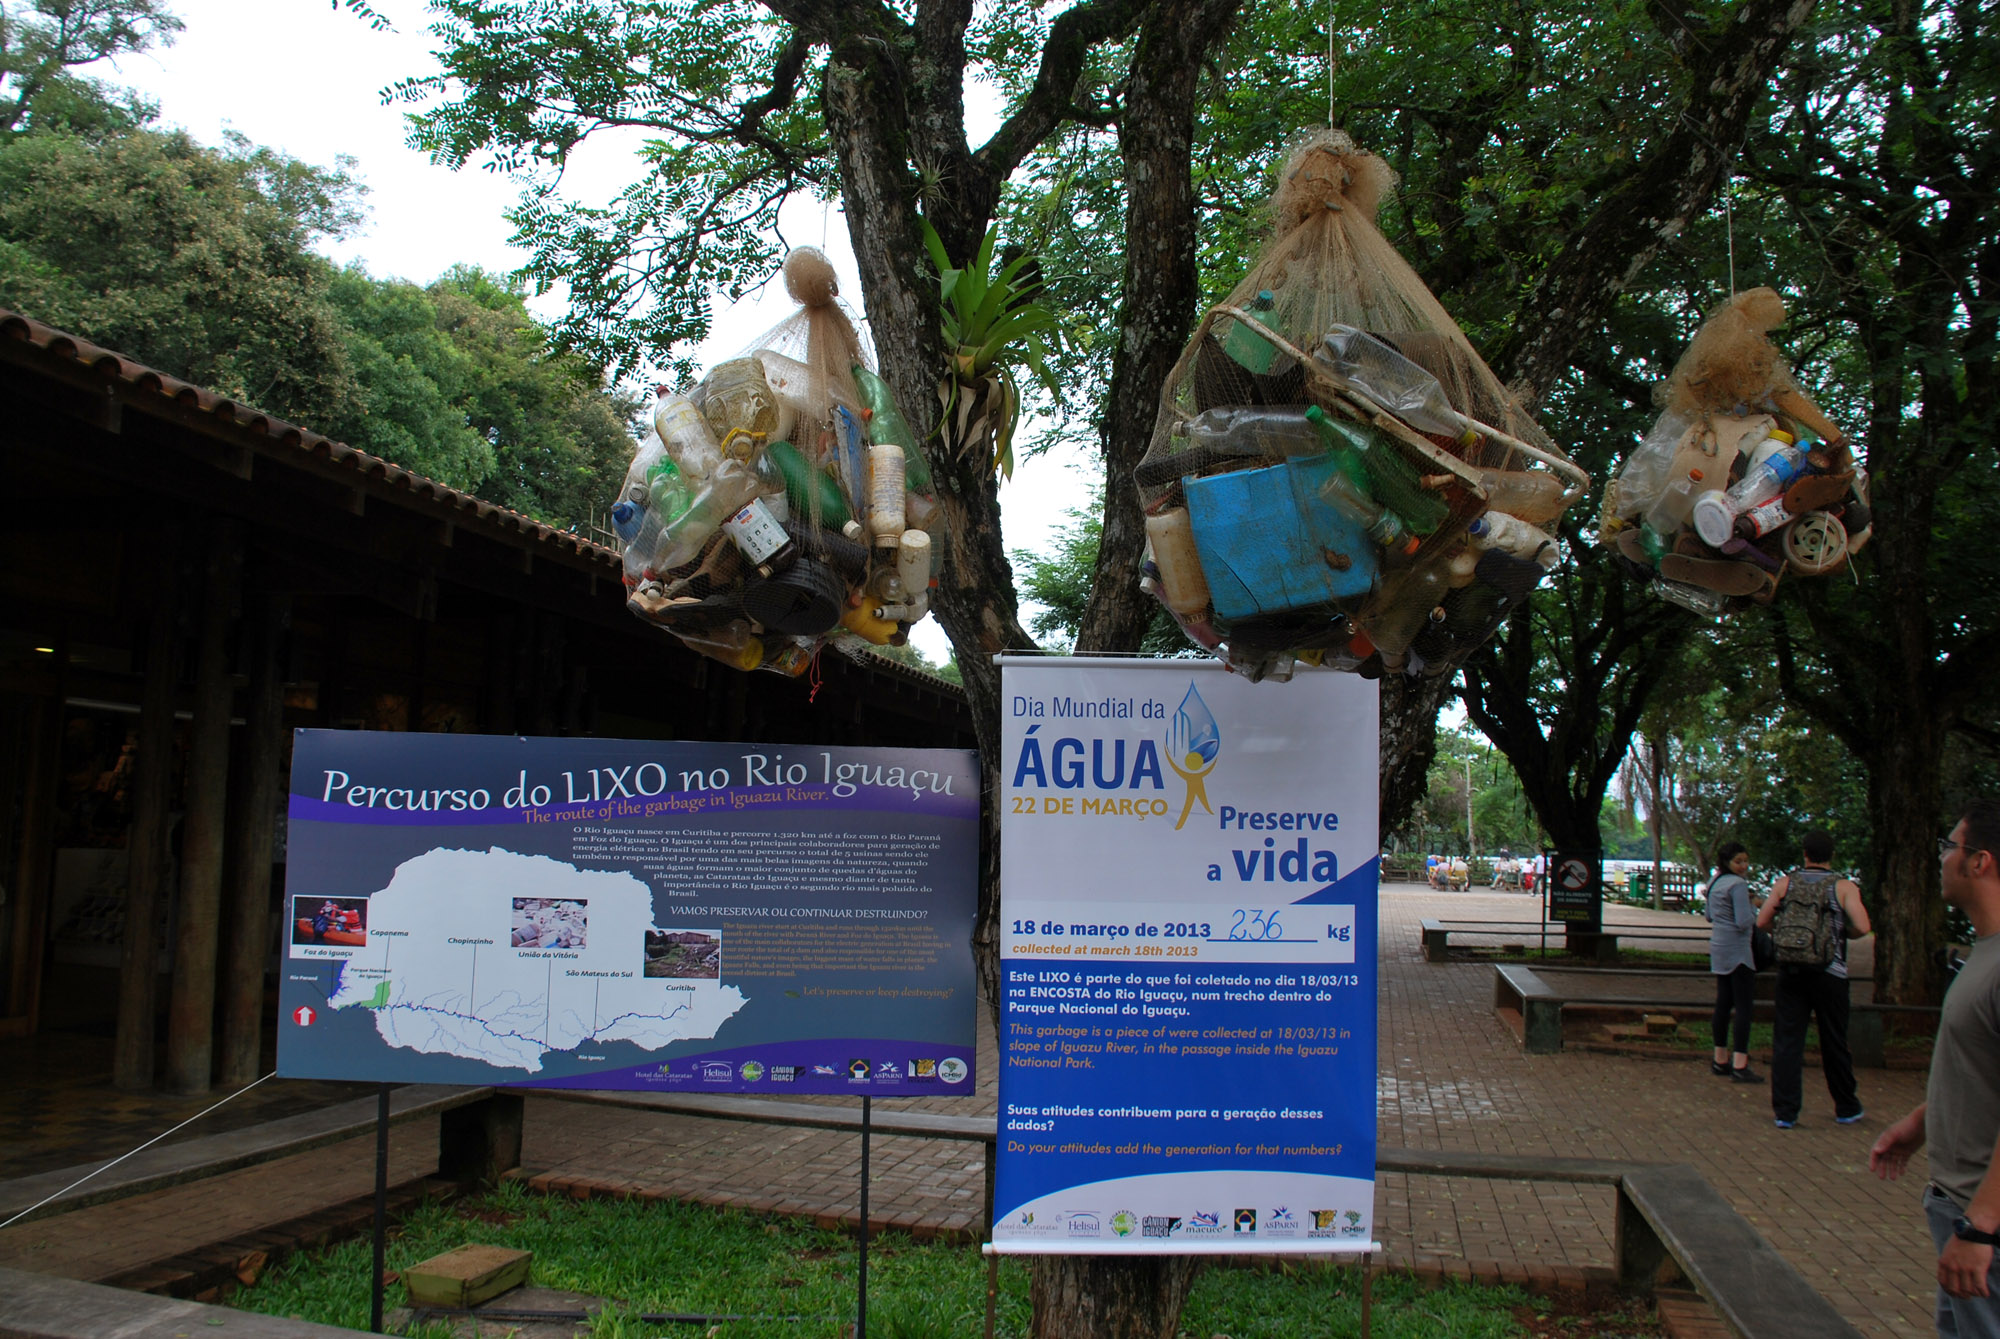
<point x="381" y="1205"/>
<point x="861" y="1273"/>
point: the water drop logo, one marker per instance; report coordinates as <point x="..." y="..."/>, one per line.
<point x="1194" y="742"/>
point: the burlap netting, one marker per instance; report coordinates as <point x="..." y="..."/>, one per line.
<point x="1328" y="265"/>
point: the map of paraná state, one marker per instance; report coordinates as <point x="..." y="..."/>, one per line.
<point x="442" y="974"/>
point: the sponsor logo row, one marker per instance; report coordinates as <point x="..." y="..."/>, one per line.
<point x="859" y="1070"/>
<point x="1281" y="1221"/>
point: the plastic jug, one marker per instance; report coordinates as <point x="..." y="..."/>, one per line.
<point x="1533" y="496"/>
<point x="741" y="407"/>
<point x="1251" y="350"/>
<point x="1670" y="510"/>
<point x="1514" y="536"/>
<point x="1171" y="535"/>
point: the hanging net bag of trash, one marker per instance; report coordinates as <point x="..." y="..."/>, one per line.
<point x="1741" y="479"/>
<point x="1336" y="477"/>
<point x="784" y="500"/>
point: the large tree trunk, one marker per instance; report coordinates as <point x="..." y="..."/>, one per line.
<point x="1099" y="1297"/>
<point x="1157" y="309"/>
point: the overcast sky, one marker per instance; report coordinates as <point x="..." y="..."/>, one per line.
<point x="306" y="78"/>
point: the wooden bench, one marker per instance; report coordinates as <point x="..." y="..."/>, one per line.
<point x="1518" y="989"/>
<point x="1599" y="946"/>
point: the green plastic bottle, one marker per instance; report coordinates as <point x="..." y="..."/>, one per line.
<point x="888" y="427"/>
<point x="809" y="492"/>
<point x="1391" y="479"/>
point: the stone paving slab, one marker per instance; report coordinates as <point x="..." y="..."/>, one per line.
<point x="1450" y="1077"/>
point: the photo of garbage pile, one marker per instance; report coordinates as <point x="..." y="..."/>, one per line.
<point x="1336" y="478"/>
<point x="1742" y="478"/>
<point x="782" y="501"/>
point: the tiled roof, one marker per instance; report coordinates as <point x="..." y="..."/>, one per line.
<point x="72" y="358"/>
<point x="30" y="342"/>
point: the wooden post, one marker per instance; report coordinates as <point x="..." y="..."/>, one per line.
<point x="147" y="848"/>
<point x="480" y="1143"/>
<point x="34" y="861"/>
<point x="252" y="826"/>
<point x="191" y="1006"/>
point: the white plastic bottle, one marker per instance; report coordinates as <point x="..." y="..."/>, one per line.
<point x="1511" y="534"/>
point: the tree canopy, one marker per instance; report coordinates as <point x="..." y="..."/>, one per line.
<point x="199" y="261"/>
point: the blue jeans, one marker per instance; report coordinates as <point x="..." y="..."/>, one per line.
<point x="1962" y="1317"/>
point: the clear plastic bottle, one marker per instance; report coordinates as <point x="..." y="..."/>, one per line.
<point x="731" y="487"/>
<point x="685" y="434"/>
<point x="1696" y="600"/>
<point x="1771" y="476"/>
<point x="1512" y="535"/>
<point x="1670" y="509"/>
<point x="1245" y="430"/>
<point x="741" y="408"/>
<point x="1392" y="382"/>
<point x="1392" y="480"/>
<point x="1535" y="497"/>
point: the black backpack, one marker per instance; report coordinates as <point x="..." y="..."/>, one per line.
<point x="1806" y="928"/>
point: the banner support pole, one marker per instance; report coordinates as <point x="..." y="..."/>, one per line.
<point x="381" y="1226"/>
<point x="861" y="1271"/>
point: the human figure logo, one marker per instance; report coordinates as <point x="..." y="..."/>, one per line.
<point x="1194" y="742"/>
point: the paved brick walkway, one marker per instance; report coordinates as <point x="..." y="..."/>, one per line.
<point x="1451" y="1077"/>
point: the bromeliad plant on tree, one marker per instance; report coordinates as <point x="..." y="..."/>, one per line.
<point x="986" y="316"/>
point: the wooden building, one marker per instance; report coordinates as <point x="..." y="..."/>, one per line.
<point x="183" y="581"/>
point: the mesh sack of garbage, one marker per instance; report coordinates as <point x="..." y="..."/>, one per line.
<point x="1336" y="477"/>
<point x="1741" y="479"/>
<point x="784" y="500"/>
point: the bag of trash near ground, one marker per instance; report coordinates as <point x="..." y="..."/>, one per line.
<point x="1741" y="479"/>
<point x="784" y="500"/>
<point x="1336" y="477"/>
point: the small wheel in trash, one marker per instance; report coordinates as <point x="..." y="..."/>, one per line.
<point x="1816" y="544"/>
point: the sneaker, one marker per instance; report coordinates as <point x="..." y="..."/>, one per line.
<point x="1849" y="1120"/>
<point x="1783" y="1124"/>
<point x="1714" y="1068"/>
<point x="1745" y="1075"/>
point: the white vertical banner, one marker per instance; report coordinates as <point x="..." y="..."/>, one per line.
<point x="1188" y="907"/>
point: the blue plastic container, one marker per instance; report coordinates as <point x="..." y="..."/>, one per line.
<point x="1270" y="544"/>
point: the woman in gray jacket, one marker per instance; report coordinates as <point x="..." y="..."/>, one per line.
<point x="1731" y="920"/>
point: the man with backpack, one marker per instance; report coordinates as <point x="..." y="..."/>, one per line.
<point x="1811" y="914"/>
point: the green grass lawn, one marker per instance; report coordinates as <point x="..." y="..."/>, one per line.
<point x="653" y="1256"/>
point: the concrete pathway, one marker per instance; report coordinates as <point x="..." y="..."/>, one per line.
<point x="1451" y="1077"/>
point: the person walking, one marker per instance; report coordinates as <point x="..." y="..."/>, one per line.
<point x="1812" y="979"/>
<point x="1732" y="920"/>
<point x="1960" y="1116"/>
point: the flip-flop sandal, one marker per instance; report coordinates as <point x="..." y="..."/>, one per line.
<point x="1629" y="545"/>
<point x="1724" y="576"/>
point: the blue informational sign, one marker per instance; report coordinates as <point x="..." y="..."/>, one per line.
<point x="1188" y="969"/>
<point x="597" y="913"/>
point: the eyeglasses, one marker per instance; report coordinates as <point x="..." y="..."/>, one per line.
<point x="1946" y="846"/>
